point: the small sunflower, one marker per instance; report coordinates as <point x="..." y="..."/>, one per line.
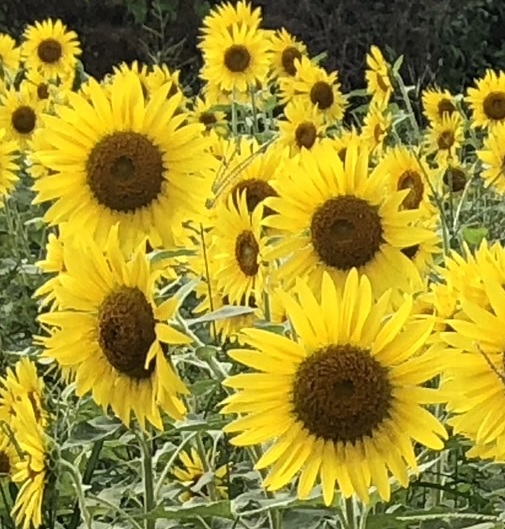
<point x="376" y="127"/>
<point x="492" y="155"/>
<point x="345" y="401"/>
<point x="345" y="138"/>
<point x="445" y="137"/>
<point x="10" y="57"/>
<point x="303" y="128"/>
<point x="236" y="60"/>
<point x="9" y="166"/>
<point x="109" y="331"/>
<point x="20" y="114"/>
<point x="286" y="50"/>
<point x="129" y="161"/>
<point x="202" y="111"/>
<point x="335" y="217"/>
<point x="455" y="176"/>
<point x="50" y="48"/>
<point x="378" y="79"/>
<point x="190" y="470"/>
<point x="437" y="103"/>
<point x="487" y="100"/>
<point x="48" y="90"/>
<point x="315" y="86"/>
<point x="225" y="15"/>
<point x="161" y="74"/>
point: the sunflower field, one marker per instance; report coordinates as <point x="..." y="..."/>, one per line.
<point x="270" y="304"/>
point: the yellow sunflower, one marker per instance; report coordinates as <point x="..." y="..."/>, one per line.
<point x="226" y="14"/>
<point x="492" y="155"/>
<point x="286" y="50"/>
<point x="9" y="166"/>
<point x="236" y="60"/>
<point x="345" y="138"/>
<point x="455" y="176"/>
<point x="119" y="159"/>
<point x="203" y="111"/>
<point x="378" y="79"/>
<point x="335" y="217"/>
<point x="48" y="90"/>
<point x="189" y="471"/>
<point x="314" y="86"/>
<point x="109" y="331"/>
<point x="50" y="48"/>
<point x="437" y="103"/>
<point x="376" y="127"/>
<point x="10" y="56"/>
<point x="345" y="401"/>
<point x="444" y="138"/>
<point x="30" y="471"/>
<point x="20" y="114"/>
<point x="487" y="100"/>
<point x="303" y="128"/>
<point x="159" y="75"/>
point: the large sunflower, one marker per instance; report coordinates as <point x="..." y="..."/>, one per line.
<point x="50" y="48"/>
<point x="492" y="155"/>
<point x="285" y="51"/>
<point x="343" y="402"/>
<point x="119" y="159"/>
<point x="487" y="100"/>
<point x="109" y="331"/>
<point x="378" y="79"/>
<point x="336" y="216"/>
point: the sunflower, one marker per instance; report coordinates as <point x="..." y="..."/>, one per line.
<point x="344" y="402"/>
<point x="225" y="15"/>
<point x="119" y="159"/>
<point x="455" y="176"/>
<point x="492" y="155"/>
<point x="335" y="217"/>
<point x="378" y="79"/>
<point x="313" y="85"/>
<point x="437" y="103"/>
<point x="190" y="470"/>
<point x="109" y="331"/>
<point x="20" y="114"/>
<point x="376" y="126"/>
<point x="286" y="50"/>
<point x="30" y="471"/>
<point x="345" y="138"/>
<point x="161" y="74"/>
<point x="236" y="60"/>
<point x="50" y="48"/>
<point x="303" y="128"/>
<point x="203" y="111"/>
<point x="10" y="56"/>
<point x="487" y="100"/>
<point x="48" y="90"/>
<point x="444" y="138"/>
<point x="8" y="166"/>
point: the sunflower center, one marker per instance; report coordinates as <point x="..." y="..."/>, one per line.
<point x="5" y="465"/>
<point x="410" y="251"/>
<point x="256" y="191"/>
<point x="305" y="135"/>
<point x="494" y="105"/>
<point x="321" y="94"/>
<point x="207" y="119"/>
<point x="42" y="91"/>
<point x="50" y="51"/>
<point x="23" y="119"/>
<point x="246" y="253"/>
<point x="288" y="59"/>
<point x="237" y="58"/>
<point x="455" y="179"/>
<point x="346" y="232"/>
<point x="126" y="331"/>
<point x="341" y="393"/>
<point x="446" y="140"/>
<point x="445" y="106"/>
<point x="125" y="171"/>
<point x="412" y="181"/>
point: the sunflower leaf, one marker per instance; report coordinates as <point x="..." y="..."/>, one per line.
<point x="192" y="509"/>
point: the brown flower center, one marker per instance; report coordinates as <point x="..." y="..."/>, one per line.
<point x="306" y="134"/>
<point x="125" y="171"/>
<point x="23" y="120"/>
<point x="256" y="191"/>
<point x="346" y="232"/>
<point x="42" y="91"/>
<point x="446" y="140"/>
<point x="341" y="394"/>
<point x="321" y="94"/>
<point x="445" y="106"/>
<point x="288" y="60"/>
<point x="411" y="180"/>
<point x="50" y="51"/>
<point x="494" y="105"/>
<point x="126" y="331"/>
<point x="237" y="58"/>
<point x="207" y="119"/>
<point x="246" y="253"/>
<point x="455" y="179"/>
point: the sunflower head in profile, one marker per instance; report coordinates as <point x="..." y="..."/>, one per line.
<point x="50" y="48"/>
<point x="344" y="402"/>
<point x="492" y="155"/>
<point x="10" y="56"/>
<point x="226" y="14"/>
<point x="286" y="51"/>
<point x="437" y="103"/>
<point x="316" y="87"/>
<point x="378" y="78"/>
<point x="111" y="334"/>
<point x="487" y="100"/>
<point x="335" y="217"/>
<point x="130" y="161"/>
<point x="9" y="165"/>
<point x="376" y="127"/>
<point x="445" y="137"/>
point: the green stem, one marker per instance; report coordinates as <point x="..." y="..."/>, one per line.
<point x="254" y="110"/>
<point x="117" y="509"/>
<point x="206" y="467"/>
<point x="76" y="476"/>
<point x="408" y="104"/>
<point x="148" y="479"/>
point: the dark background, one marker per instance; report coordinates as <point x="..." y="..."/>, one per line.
<point x="447" y="41"/>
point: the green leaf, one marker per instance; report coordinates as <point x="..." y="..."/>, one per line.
<point x="228" y="311"/>
<point x="397" y="65"/>
<point x="161" y="255"/>
<point x="87" y="432"/>
<point x="192" y="509"/>
<point x="475" y="236"/>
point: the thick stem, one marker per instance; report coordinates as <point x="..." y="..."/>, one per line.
<point x="206" y="467"/>
<point x="148" y="479"/>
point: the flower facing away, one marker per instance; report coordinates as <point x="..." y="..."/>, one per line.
<point x="344" y="403"/>
<point x="111" y="334"/>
